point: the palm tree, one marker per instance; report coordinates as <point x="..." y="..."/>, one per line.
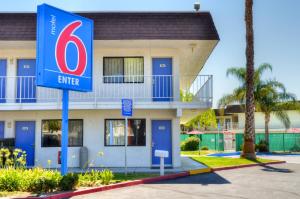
<point x="270" y="96"/>
<point x="249" y="138"/>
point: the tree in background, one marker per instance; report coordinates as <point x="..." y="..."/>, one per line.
<point x="204" y="121"/>
<point x="270" y="96"/>
<point x="186" y="96"/>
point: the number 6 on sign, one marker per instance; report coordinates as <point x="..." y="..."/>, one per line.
<point x="66" y="36"/>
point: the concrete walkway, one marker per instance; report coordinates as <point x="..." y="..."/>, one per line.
<point x="289" y="158"/>
<point x="295" y="159"/>
<point x="186" y="165"/>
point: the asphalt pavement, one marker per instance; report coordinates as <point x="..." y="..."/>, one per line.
<point x="280" y="181"/>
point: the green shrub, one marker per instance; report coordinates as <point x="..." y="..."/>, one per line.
<point x="106" y="176"/>
<point x="261" y="146"/>
<point x="39" y="180"/>
<point x="89" y="179"/>
<point x="192" y="144"/>
<point x="69" y="182"/>
<point x="10" y="179"/>
<point x="15" y="158"/>
<point x="182" y="146"/>
<point x="43" y="181"/>
<point x="204" y="148"/>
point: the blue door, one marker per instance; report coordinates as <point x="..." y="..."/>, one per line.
<point x="161" y="140"/>
<point x="2" y="80"/>
<point x="25" y="132"/>
<point x="162" y="89"/>
<point x="2" y="129"/>
<point x="26" y="86"/>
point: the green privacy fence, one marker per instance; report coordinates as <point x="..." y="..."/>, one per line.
<point x="278" y="141"/>
<point x="209" y="140"/>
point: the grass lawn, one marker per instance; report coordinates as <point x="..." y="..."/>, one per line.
<point x="196" y="153"/>
<point x="120" y="177"/>
<point x="215" y="162"/>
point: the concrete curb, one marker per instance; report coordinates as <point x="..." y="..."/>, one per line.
<point x="199" y="171"/>
<point x="147" y="180"/>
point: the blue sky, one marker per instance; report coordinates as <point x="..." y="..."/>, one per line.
<point x="276" y="26"/>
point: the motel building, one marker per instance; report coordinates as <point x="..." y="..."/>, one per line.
<point x="153" y="58"/>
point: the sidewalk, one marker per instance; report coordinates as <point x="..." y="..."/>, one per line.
<point x="186" y="165"/>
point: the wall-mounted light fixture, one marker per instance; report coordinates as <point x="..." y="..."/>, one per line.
<point x="197" y="6"/>
<point x="11" y="61"/>
<point x="192" y="46"/>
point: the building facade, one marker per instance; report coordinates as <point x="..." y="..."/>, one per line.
<point x="153" y="58"/>
<point x="233" y="118"/>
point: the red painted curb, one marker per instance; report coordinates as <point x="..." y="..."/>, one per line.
<point x="247" y="165"/>
<point x="113" y="186"/>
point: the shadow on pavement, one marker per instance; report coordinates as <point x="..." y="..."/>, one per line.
<point x="203" y="179"/>
<point x="269" y="168"/>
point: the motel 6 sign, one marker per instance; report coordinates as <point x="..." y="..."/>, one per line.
<point x="64" y="49"/>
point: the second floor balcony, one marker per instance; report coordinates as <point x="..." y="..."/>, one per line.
<point x="21" y="92"/>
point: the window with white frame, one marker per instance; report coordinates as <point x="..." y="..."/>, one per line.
<point x="123" y="69"/>
<point x="115" y="132"/>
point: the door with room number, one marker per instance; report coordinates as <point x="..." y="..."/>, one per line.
<point x="162" y="88"/>
<point x="26" y="86"/>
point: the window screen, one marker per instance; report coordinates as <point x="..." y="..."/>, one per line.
<point x="115" y="132"/>
<point x="123" y="70"/>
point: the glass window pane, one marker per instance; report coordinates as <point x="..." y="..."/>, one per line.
<point x="75" y="132"/>
<point x="136" y="132"/>
<point x="51" y="133"/>
<point x="134" y="70"/>
<point x="114" y="134"/>
<point x="113" y="70"/>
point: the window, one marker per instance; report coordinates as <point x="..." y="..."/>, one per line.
<point x="51" y="133"/>
<point x="115" y="132"/>
<point x="123" y="69"/>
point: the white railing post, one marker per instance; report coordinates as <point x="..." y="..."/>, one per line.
<point x="21" y="88"/>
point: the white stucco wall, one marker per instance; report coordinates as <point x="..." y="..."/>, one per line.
<point x="12" y="55"/>
<point x="93" y="137"/>
<point x="274" y="121"/>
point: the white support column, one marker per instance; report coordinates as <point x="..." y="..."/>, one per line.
<point x="179" y="112"/>
<point x="11" y="84"/>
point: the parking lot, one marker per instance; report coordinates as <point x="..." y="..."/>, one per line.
<point x="274" y="181"/>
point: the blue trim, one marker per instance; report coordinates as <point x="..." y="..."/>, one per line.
<point x="3" y="68"/>
<point x="162" y="140"/>
<point x="25" y="139"/>
<point x="162" y="89"/>
<point x="26" y="86"/>
<point x="2" y="125"/>
<point x="64" y="137"/>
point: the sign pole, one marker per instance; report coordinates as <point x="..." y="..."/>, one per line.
<point x="126" y="112"/>
<point x="126" y="129"/>
<point x="65" y="131"/>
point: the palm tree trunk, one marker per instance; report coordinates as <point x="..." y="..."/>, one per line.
<point x="267" y="135"/>
<point x="249" y="148"/>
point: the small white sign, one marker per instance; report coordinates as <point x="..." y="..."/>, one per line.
<point x="161" y="128"/>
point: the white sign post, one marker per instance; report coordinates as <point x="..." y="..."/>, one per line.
<point x="162" y="155"/>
